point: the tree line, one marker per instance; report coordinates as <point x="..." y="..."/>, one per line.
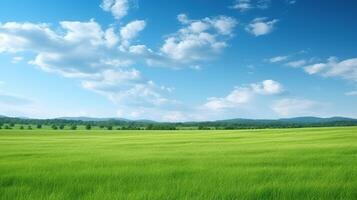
<point x="60" y="124"/>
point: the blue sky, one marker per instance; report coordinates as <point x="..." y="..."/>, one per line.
<point x="178" y="60"/>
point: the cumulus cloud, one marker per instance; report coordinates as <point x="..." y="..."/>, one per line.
<point x="198" y="40"/>
<point x="261" y="26"/>
<point x="85" y="51"/>
<point x="103" y="59"/>
<point x="132" y="29"/>
<point x="118" y="8"/>
<point x="345" y="69"/>
<point x="244" y="5"/>
<point x="244" y="94"/>
<point x="296" y="107"/>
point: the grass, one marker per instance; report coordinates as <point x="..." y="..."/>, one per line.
<point x="309" y="163"/>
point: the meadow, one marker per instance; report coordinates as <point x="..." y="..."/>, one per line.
<point x="306" y="163"/>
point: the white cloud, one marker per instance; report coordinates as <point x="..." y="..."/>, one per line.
<point x="243" y="95"/>
<point x="244" y="5"/>
<point x="267" y="87"/>
<point x="198" y="40"/>
<point x="132" y="29"/>
<point x="278" y="59"/>
<point x="83" y="50"/>
<point x="297" y="63"/>
<point x="261" y="26"/>
<point x="296" y="107"/>
<point x="102" y="59"/>
<point x="346" y="69"/>
<point x="118" y="8"/>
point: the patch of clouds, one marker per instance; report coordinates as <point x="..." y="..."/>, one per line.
<point x="118" y="8"/>
<point x="131" y="31"/>
<point x="296" y="63"/>
<point x="197" y="41"/>
<point x="243" y="95"/>
<point x="277" y="59"/>
<point x="245" y="5"/>
<point x="83" y="50"/>
<point x="261" y="26"/>
<point x="291" y="107"/>
<point x="104" y="59"/>
<point x="345" y="69"/>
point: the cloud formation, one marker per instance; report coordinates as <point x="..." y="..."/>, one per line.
<point x="118" y="8"/>
<point x="85" y="51"/>
<point x="345" y="69"/>
<point x="261" y="26"/>
<point x="245" y="5"/>
<point x="197" y="41"/>
<point x="277" y="59"/>
<point x="243" y="95"/>
<point x="291" y="107"/>
<point x="103" y="59"/>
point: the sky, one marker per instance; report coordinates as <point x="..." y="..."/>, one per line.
<point x="178" y="60"/>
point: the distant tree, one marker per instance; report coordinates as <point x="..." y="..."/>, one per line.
<point x="61" y="127"/>
<point x="29" y="127"/>
<point x="54" y="127"/>
<point x="73" y="127"/>
<point x="7" y="127"/>
<point x="88" y="127"/>
<point x="101" y="126"/>
<point x="21" y="127"/>
<point x="0" y="127"/>
<point x="39" y="126"/>
<point x="110" y="127"/>
<point x="150" y="127"/>
<point x="12" y="124"/>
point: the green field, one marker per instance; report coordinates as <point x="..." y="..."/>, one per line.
<point x="309" y="163"/>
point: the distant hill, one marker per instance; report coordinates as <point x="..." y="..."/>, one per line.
<point x="238" y="123"/>
<point x="91" y="119"/>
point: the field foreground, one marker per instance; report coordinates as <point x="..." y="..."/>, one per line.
<point x="310" y="163"/>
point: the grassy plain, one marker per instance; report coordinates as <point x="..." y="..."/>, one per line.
<point x="307" y="163"/>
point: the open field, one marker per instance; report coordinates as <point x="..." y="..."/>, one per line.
<point x="309" y="163"/>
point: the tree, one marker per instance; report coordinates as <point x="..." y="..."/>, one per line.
<point x="88" y="127"/>
<point x="29" y="127"/>
<point x="101" y="126"/>
<point x="12" y="124"/>
<point x="21" y="127"/>
<point x="61" y="126"/>
<point x="54" y="127"/>
<point x="110" y="127"/>
<point x="39" y="126"/>
<point x="73" y="127"/>
<point x="7" y="127"/>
